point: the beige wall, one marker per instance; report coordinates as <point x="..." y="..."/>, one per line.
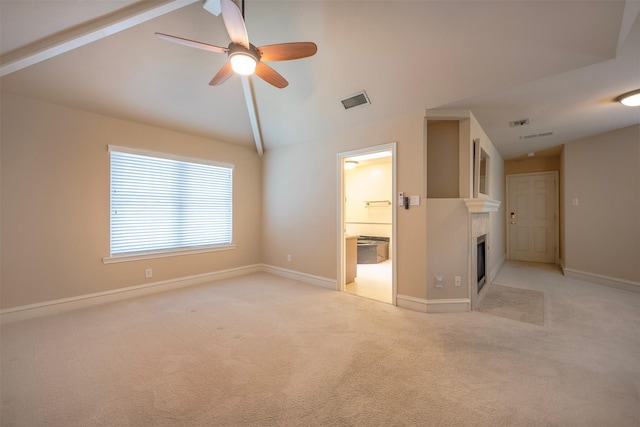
<point x="443" y="158"/>
<point x="562" y="211"/>
<point x="447" y="247"/>
<point x="55" y="203"/>
<point x="301" y="206"/>
<point x="602" y="233"/>
<point x="307" y="173"/>
<point x="532" y="164"/>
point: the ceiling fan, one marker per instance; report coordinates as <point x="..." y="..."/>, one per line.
<point x="245" y="58"/>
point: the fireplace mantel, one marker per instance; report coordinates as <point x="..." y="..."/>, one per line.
<point x="481" y="205"/>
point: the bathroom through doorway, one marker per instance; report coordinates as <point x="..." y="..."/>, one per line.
<point x="367" y="215"/>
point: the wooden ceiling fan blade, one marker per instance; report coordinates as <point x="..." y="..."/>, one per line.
<point x="192" y="43"/>
<point x="287" y="51"/>
<point x="234" y="23"/>
<point x="270" y="75"/>
<point x="222" y="76"/>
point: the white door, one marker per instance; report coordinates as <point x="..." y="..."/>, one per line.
<point x="532" y="217"/>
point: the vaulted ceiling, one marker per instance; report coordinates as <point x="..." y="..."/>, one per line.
<point x="559" y="64"/>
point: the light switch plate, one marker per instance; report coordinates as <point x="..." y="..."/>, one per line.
<point x="415" y="201"/>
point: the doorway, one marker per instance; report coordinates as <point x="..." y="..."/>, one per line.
<point x="366" y="223"/>
<point x="532" y="217"/>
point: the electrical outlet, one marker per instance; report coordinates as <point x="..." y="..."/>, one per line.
<point x="289" y="258"/>
<point x="148" y="273"/>
<point x="439" y="281"/>
<point x="458" y="281"/>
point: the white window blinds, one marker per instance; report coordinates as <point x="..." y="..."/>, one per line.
<point x="162" y="203"/>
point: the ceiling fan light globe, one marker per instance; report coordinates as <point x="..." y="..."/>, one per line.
<point x="243" y="64"/>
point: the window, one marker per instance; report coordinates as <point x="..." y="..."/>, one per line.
<point x="162" y="203"/>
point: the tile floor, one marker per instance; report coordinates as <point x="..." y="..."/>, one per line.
<point x="373" y="281"/>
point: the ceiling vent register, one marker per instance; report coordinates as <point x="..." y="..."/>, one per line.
<point x="518" y="123"/>
<point x="356" y="100"/>
<point x="537" y="135"/>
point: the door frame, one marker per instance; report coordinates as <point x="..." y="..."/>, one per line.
<point x="340" y="282"/>
<point x="556" y="210"/>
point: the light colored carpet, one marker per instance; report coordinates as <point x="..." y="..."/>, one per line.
<point x="523" y="305"/>
<point x="261" y="350"/>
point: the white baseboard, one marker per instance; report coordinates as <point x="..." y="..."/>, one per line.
<point x="411" y="303"/>
<point x="302" y="277"/>
<point x="613" y="282"/>
<point x="88" y="300"/>
<point x="61" y="305"/>
<point x="459" y="305"/>
<point x="82" y="301"/>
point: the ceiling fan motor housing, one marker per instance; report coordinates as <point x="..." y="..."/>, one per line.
<point x="238" y="49"/>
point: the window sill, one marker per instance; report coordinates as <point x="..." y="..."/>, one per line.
<point x="152" y="255"/>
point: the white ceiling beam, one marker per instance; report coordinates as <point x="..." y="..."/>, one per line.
<point x="112" y="24"/>
<point x="249" y="94"/>
<point x="212" y="6"/>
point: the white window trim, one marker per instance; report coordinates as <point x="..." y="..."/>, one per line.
<point x="167" y="253"/>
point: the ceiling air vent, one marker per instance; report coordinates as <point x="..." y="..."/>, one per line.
<point x="518" y="123"/>
<point x="536" y="135"/>
<point x="356" y="100"/>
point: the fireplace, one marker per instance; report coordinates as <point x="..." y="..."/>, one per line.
<point x="479" y="255"/>
<point x="481" y="259"/>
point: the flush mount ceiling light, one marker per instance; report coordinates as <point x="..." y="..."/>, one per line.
<point x="630" y="99"/>
<point x="350" y="164"/>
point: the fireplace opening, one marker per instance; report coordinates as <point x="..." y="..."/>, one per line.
<point x="482" y="255"/>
